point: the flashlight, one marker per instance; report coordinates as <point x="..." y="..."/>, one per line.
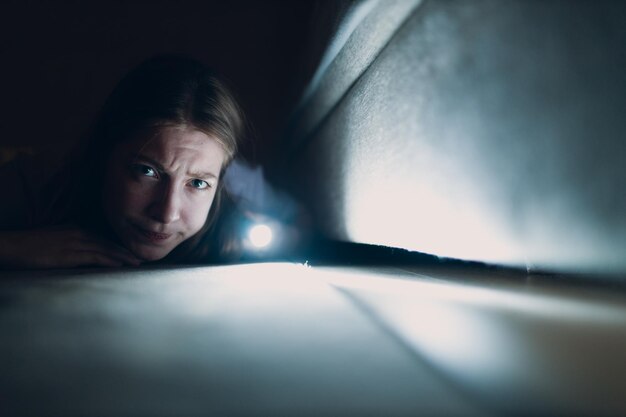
<point x="260" y="235"/>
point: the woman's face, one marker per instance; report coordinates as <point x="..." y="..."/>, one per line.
<point x="158" y="190"/>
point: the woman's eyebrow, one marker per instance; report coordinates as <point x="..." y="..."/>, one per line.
<point x="202" y="175"/>
<point x="149" y="160"/>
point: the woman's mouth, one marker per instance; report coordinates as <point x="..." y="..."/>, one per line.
<point x="153" y="236"/>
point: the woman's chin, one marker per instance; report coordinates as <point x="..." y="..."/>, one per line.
<point x="145" y="248"/>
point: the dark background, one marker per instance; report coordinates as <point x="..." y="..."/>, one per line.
<point x="60" y="59"/>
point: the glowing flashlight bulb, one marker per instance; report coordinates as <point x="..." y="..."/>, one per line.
<point x="260" y="235"/>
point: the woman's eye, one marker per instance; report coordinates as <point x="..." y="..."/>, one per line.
<point x="145" y="170"/>
<point x="199" y="184"/>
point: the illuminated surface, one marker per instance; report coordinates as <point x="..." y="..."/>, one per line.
<point x="283" y="339"/>
<point x="481" y="130"/>
<point x="503" y="343"/>
<point x="266" y="340"/>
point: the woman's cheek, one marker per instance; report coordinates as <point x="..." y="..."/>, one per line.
<point x="135" y="195"/>
<point x="199" y="211"/>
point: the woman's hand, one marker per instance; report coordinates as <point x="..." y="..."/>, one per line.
<point x="61" y="247"/>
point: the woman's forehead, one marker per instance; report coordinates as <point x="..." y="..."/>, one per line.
<point x="178" y="145"/>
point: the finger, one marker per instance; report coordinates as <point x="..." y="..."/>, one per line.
<point x="106" y="251"/>
<point x="84" y="258"/>
<point x="119" y="254"/>
<point x="108" y="248"/>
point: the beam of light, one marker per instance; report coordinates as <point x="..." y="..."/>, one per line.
<point x="260" y="236"/>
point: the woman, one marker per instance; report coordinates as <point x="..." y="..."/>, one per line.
<point x="146" y="185"/>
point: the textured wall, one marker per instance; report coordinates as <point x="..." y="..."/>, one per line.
<point x="484" y="130"/>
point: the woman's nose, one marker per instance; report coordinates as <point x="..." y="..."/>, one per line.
<point x="166" y="206"/>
